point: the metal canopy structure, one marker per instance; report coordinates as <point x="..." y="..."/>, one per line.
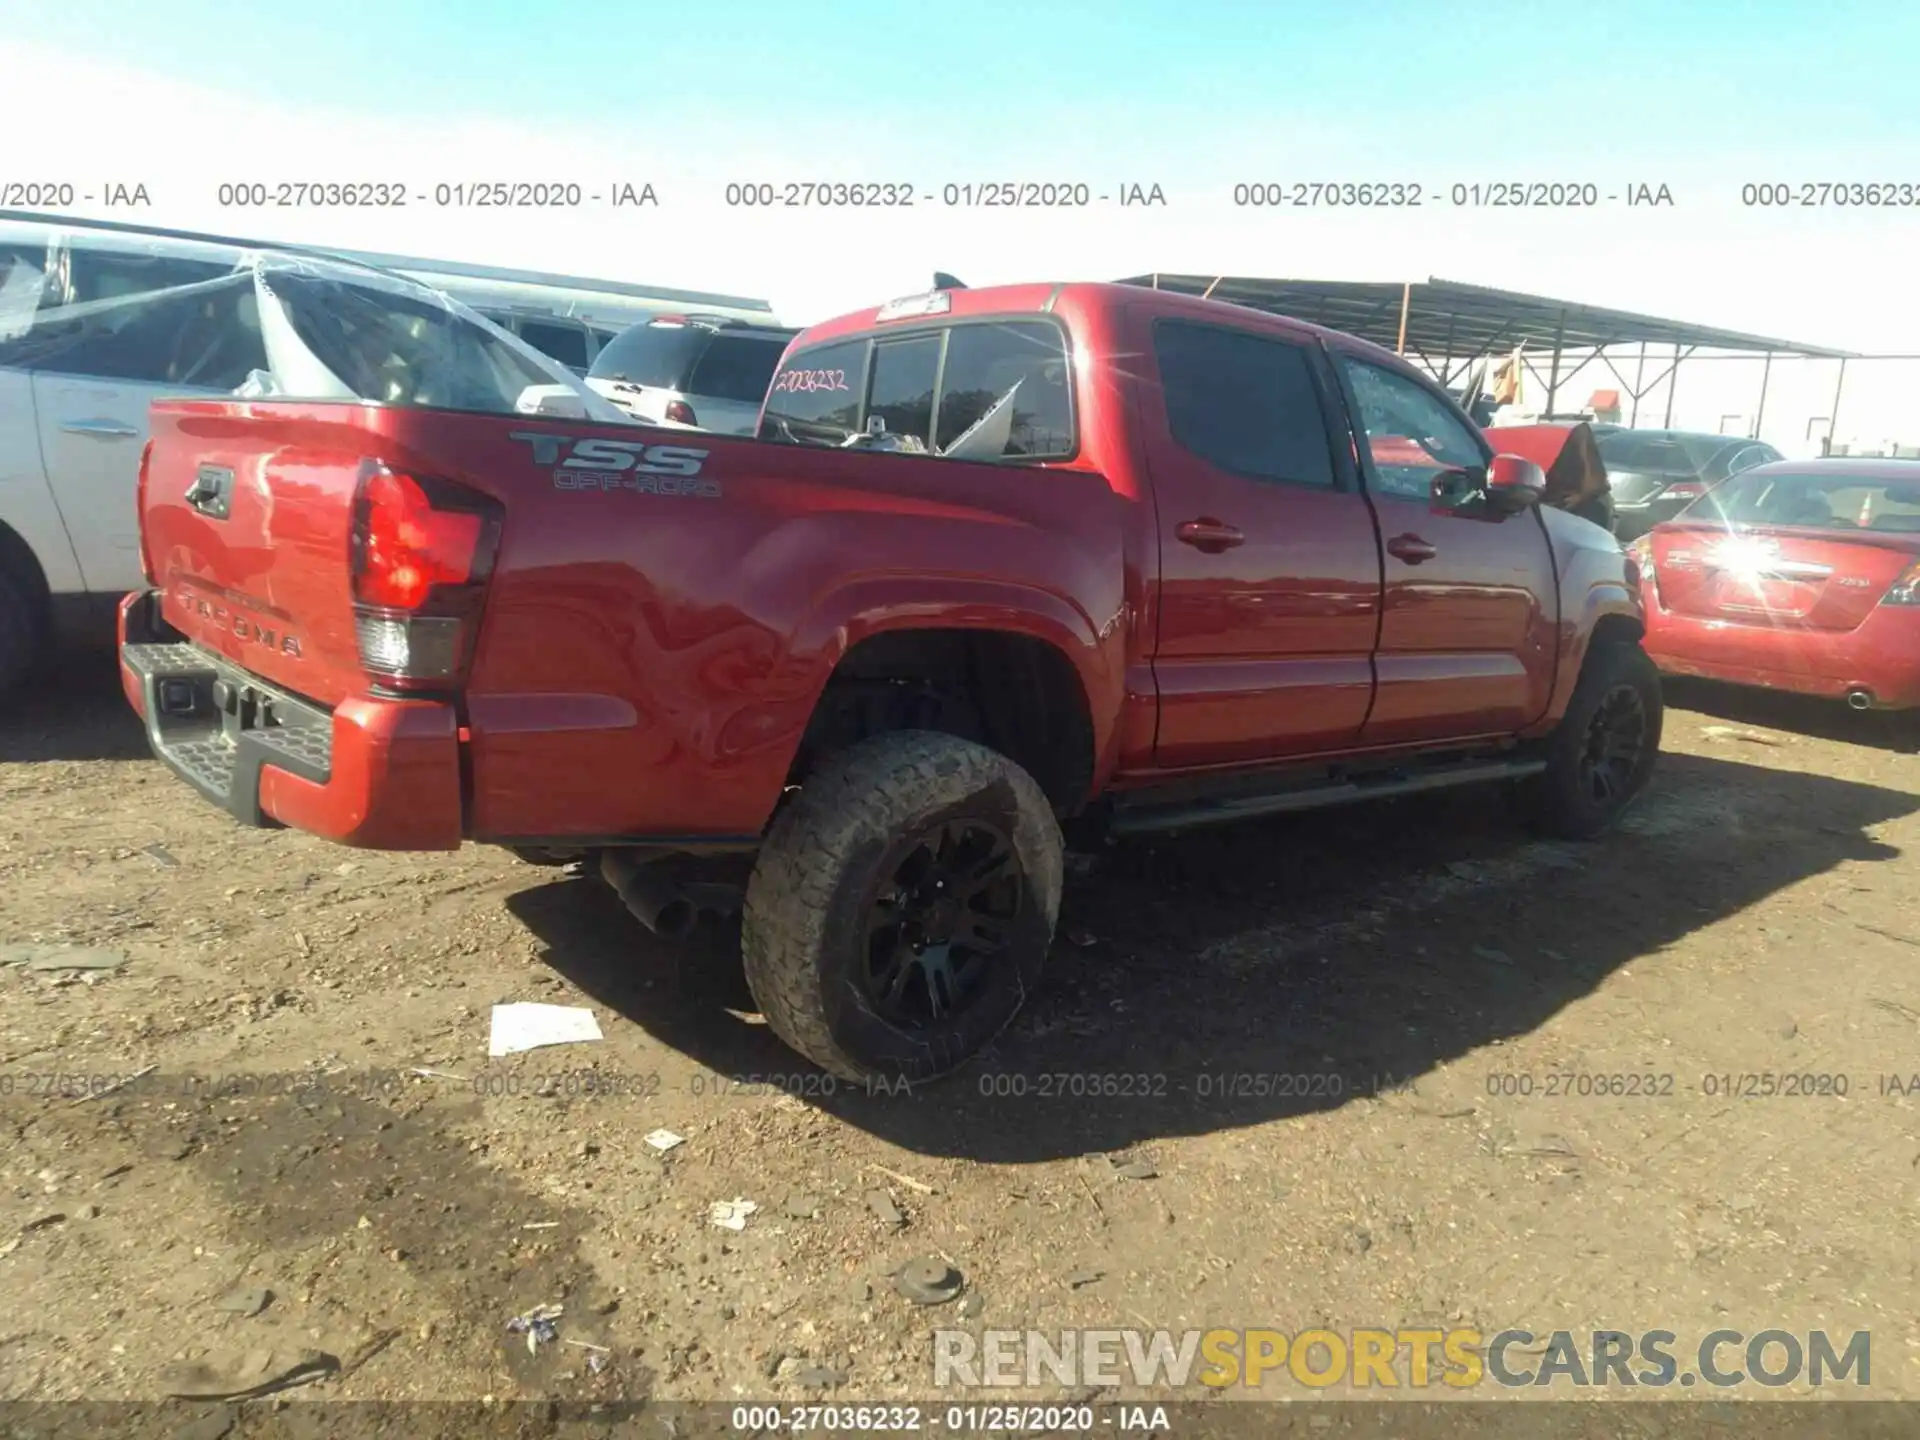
<point x="1446" y="325"/>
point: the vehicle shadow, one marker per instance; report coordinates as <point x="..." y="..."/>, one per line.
<point x="74" y="711"/>
<point x="1356" y="950"/>
<point x="1800" y="714"/>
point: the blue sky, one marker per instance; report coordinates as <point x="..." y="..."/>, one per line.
<point x="1701" y="95"/>
<point x="993" y="79"/>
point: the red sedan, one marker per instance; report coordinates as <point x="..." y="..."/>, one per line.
<point x="1795" y="575"/>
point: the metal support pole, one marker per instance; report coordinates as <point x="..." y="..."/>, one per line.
<point x="1759" y="410"/>
<point x="1208" y="292"/>
<point x="1406" y="304"/>
<point x="1446" y="351"/>
<point x="1833" y="420"/>
<point x="1553" y="377"/>
<point x="1639" y="370"/>
<point x="1673" y="384"/>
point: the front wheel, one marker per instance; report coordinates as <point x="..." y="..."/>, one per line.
<point x="902" y="906"/>
<point x="1603" y="754"/>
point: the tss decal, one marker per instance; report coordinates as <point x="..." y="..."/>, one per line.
<point x="591" y="463"/>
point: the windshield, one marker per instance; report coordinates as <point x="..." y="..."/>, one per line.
<point x="1817" y="502"/>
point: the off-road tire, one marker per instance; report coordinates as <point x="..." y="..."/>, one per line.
<point x="803" y="927"/>
<point x="20" y="639"/>
<point x="1562" y="804"/>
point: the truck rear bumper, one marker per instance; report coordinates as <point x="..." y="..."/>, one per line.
<point x="381" y="774"/>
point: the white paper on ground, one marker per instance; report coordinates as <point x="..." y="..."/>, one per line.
<point x="527" y="1026"/>
<point x="731" y="1214"/>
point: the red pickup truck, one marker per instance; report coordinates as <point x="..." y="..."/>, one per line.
<point x="998" y="560"/>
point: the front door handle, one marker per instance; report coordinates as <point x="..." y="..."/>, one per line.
<point x="1410" y="548"/>
<point x="100" y="429"/>
<point x="1209" y="535"/>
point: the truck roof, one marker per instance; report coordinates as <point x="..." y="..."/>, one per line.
<point x="1044" y="297"/>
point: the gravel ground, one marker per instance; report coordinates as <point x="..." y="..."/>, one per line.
<point x="1273" y="1079"/>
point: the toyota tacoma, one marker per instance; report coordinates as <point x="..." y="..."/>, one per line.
<point x="996" y="561"/>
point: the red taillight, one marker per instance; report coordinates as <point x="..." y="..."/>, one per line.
<point x="140" y="510"/>
<point x="406" y="546"/>
<point x="1905" y="590"/>
<point x="421" y="554"/>
<point x="1685" y="490"/>
<point x="680" y="413"/>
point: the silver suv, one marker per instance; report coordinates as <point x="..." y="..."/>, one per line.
<point x="698" y="372"/>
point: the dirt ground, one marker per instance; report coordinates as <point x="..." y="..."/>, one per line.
<point x="1760" y="914"/>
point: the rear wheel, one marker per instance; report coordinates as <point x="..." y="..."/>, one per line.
<point x="19" y="638"/>
<point x="1603" y="754"/>
<point x="902" y="907"/>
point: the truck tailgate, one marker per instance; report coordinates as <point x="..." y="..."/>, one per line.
<point x="245" y="514"/>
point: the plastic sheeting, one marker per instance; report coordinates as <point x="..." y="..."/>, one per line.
<point x="265" y="324"/>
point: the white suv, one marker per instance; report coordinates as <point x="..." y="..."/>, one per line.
<point x="698" y="372"/>
<point x="95" y="326"/>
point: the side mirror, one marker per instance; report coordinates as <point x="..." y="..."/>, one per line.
<point x="1514" y="484"/>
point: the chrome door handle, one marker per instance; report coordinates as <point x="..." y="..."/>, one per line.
<point x="100" y="429"/>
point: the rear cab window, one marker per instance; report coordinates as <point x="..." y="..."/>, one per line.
<point x="987" y="389"/>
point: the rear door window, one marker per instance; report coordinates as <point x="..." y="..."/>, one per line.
<point x="23" y="284"/>
<point x="105" y="272"/>
<point x="901" y="397"/>
<point x="204" y="336"/>
<point x="1244" y="402"/>
<point x="1020" y="365"/>
<point x="736" y="367"/>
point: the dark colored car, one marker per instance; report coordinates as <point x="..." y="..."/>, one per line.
<point x="998" y="559"/>
<point x="1801" y="575"/>
<point x="1655" y="474"/>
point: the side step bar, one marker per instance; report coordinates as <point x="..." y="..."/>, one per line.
<point x="1142" y="816"/>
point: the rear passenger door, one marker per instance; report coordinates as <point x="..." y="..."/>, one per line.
<point x="1269" y="592"/>
<point x="1468" y="640"/>
<point x="192" y="329"/>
